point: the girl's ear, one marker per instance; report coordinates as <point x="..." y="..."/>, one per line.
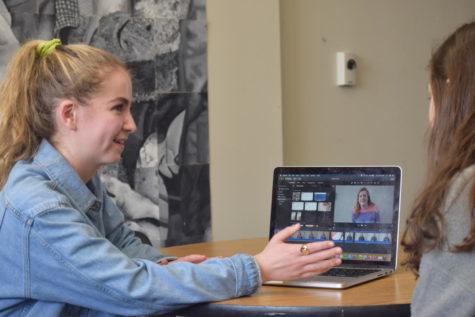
<point x="67" y="113"/>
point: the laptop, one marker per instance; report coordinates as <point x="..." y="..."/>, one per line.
<point x="330" y="204"/>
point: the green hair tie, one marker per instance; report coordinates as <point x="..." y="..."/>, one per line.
<point x="46" y="47"/>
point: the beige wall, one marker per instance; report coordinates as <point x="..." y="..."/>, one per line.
<point x="272" y="80"/>
<point x="245" y="113"/>
<point x="383" y="119"/>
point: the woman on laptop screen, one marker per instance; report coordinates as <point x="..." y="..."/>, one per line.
<point x="440" y="234"/>
<point x="365" y="210"/>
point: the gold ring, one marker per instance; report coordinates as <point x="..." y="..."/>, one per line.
<point x="304" y="249"/>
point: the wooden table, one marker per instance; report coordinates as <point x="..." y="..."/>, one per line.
<point x="388" y="296"/>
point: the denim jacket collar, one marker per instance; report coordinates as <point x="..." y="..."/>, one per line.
<point x="56" y="166"/>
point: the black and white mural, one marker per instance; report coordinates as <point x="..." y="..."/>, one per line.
<point x="162" y="182"/>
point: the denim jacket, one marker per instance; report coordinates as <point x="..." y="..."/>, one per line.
<point x="65" y="251"/>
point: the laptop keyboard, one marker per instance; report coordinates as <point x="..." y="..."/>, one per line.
<point x="348" y="272"/>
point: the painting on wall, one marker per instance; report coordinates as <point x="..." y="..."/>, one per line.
<point x="161" y="183"/>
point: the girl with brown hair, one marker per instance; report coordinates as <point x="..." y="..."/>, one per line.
<point x="440" y="234"/>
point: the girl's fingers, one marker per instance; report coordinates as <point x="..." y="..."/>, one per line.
<point x="317" y="246"/>
<point x="323" y="255"/>
<point x="319" y="268"/>
<point x="284" y="234"/>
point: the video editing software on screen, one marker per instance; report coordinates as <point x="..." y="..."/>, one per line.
<point x="355" y="211"/>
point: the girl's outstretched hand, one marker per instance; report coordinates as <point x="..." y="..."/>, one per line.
<point x="280" y="261"/>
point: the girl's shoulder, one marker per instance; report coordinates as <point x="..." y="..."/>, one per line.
<point x="28" y="180"/>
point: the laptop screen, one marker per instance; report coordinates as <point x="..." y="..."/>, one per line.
<point x="356" y="207"/>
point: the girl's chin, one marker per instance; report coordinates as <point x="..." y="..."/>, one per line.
<point x="112" y="160"/>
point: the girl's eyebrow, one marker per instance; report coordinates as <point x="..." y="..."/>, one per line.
<point x="122" y="100"/>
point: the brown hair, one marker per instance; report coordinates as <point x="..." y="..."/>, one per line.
<point x="451" y="146"/>
<point x="32" y="88"/>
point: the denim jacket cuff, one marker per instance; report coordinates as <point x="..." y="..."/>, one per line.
<point x="250" y="279"/>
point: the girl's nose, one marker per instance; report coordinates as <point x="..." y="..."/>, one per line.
<point x="129" y="124"/>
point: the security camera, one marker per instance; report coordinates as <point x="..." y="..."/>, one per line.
<point x="346" y="69"/>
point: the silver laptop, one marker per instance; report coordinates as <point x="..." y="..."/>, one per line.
<point x="357" y="207"/>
